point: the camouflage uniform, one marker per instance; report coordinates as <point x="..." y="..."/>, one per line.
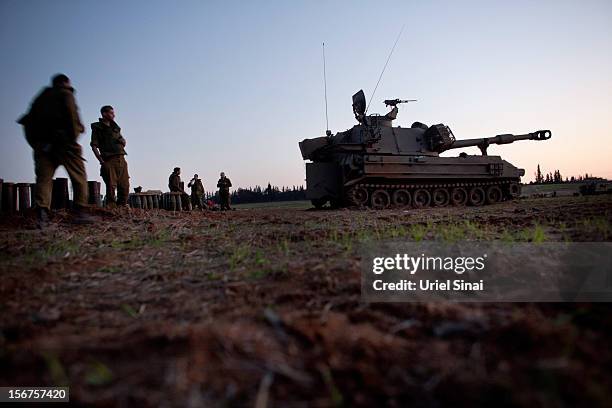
<point x="114" y="170"/>
<point x="224" y="185"/>
<point x="52" y="128"/>
<point x="174" y="184"/>
<point x="197" y="192"/>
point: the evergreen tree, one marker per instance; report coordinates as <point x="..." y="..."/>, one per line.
<point x="539" y="179"/>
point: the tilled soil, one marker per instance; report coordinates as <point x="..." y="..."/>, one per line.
<point x="262" y="307"/>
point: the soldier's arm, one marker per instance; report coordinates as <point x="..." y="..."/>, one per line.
<point x="95" y="137"/>
<point x="229" y="183"/>
<point x="73" y="121"/>
<point x="96" y="152"/>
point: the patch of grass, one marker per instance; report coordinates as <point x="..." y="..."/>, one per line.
<point x="56" y="370"/>
<point x="599" y="226"/>
<point x="54" y="249"/>
<point x="363" y="235"/>
<point x="397" y="231"/>
<point x="417" y="232"/>
<point x="506" y="236"/>
<point x="535" y="234"/>
<point x="259" y="258"/>
<point x="347" y="242"/>
<point x="538" y="235"/>
<point x="133" y="243"/>
<point x="335" y="394"/>
<point x="156" y="239"/>
<point x="276" y="204"/>
<point x="239" y="254"/>
<point x="451" y="232"/>
<point x="283" y="246"/>
<point x="98" y="374"/>
<point x="343" y="239"/>
<point x="259" y="273"/>
<point x="375" y="231"/>
<point x="475" y="230"/>
<point x="129" y="310"/>
<point x="213" y="276"/>
<point x="109" y="269"/>
<point x="159" y="238"/>
<point x="564" y="231"/>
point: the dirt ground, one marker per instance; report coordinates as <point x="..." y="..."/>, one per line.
<point x="262" y="307"/>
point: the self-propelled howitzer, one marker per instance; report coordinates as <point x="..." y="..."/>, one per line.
<point x="379" y="165"/>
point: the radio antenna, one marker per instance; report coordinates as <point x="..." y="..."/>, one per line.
<point x="385" y="67"/>
<point x="327" y="132"/>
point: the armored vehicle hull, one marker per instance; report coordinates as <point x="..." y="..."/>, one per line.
<point x="375" y="164"/>
<point x="442" y="181"/>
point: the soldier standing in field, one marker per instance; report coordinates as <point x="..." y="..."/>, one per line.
<point x="224" y="185"/>
<point x="197" y="192"/>
<point x="174" y="181"/>
<point x="52" y="127"/>
<point x="108" y="145"/>
<point x="175" y="186"/>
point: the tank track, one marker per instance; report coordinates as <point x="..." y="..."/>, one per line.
<point x="427" y="194"/>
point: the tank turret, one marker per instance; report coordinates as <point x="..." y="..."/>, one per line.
<point x="377" y="164"/>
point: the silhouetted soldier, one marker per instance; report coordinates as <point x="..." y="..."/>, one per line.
<point x="52" y="128"/>
<point x="197" y="192"/>
<point x="108" y="145"/>
<point x="224" y="185"/>
<point x="174" y="184"/>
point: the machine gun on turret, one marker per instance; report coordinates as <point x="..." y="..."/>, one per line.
<point x="395" y="102"/>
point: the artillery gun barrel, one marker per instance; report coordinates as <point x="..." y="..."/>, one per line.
<point x="483" y="143"/>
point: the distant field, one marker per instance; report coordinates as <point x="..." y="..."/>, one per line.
<point x="561" y="189"/>
<point x="276" y="204"/>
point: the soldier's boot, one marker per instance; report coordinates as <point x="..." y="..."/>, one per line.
<point x="80" y="217"/>
<point x="42" y="218"/>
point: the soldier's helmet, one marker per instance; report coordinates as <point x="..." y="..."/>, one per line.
<point x="222" y="174"/>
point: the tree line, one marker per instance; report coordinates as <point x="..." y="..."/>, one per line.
<point x="555" y="177"/>
<point x="258" y="194"/>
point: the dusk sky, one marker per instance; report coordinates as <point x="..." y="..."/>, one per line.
<point x="234" y="86"/>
